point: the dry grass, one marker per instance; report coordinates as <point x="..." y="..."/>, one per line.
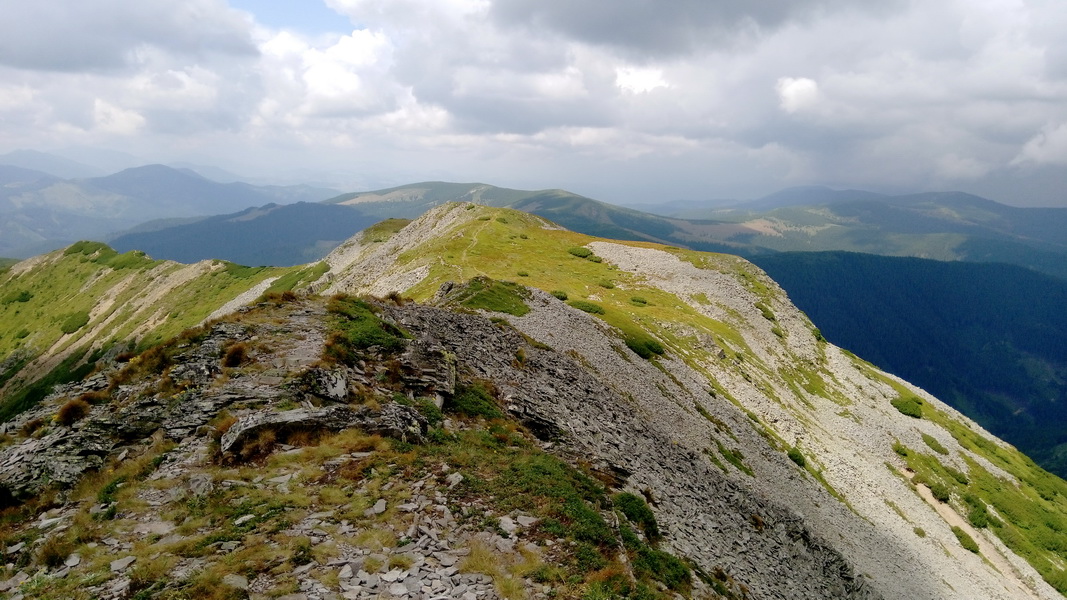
<point x="73" y="411"/>
<point x="376" y="539"/>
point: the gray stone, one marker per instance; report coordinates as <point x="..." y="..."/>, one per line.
<point x="235" y="581"/>
<point x="244" y="519"/>
<point x="121" y="564"/>
<point x="73" y="560"/>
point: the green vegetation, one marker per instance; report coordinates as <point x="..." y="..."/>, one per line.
<point x="559" y="294"/>
<point x="643" y="345"/>
<point x="581" y="252"/>
<point x="586" y="306"/>
<point x="17" y="296"/>
<point x="298" y="278"/>
<point x="797" y="457"/>
<point x="495" y="296"/>
<point x="474" y="400"/>
<point x="383" y="230"/>
<point x="934" y="445"/>
<point x="74" y="322"/>
<point x="1030" y="519"/>
<point x="909" y="406"/>
<point x="735" y="458"/>
<point x="638" y="301"/>
<point x="356" y="326"/>
<point x="965" y="540"/>
<point x="637" y="512"/>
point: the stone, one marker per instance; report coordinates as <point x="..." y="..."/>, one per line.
<point x="526" y="521"/>
<point x="398" y="589"/>
<point x="508" y="524"/>
<point x="200" y="484"/>
<point x="346" y="572"/>
<point x="453" y="480"/>
<point x="235" y="581"/>
<point x="121" y="564"/>
<point x="244" y="519"/>
<point x="73" y="560"/>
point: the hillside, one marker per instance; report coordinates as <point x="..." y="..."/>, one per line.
<point x="297" y="233"/>
<point x="619" y="399"/>
<point x="986" y="338"/>
<point x="63" y="312"/>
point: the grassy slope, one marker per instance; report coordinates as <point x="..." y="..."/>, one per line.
<point x="933" y="322"/>
<point x="508" y="245"/>
<point x="102" y="299"/>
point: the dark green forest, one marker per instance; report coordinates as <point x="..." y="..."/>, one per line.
<point x="989" y="339"/>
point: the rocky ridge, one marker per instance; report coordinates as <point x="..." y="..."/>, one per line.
<point x="249" y="459"/>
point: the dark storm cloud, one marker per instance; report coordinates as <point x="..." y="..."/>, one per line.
<point x="658" y="29"/>
<point x="77" y="35"/>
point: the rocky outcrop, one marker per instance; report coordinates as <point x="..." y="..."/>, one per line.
<point x="392" y="420"/>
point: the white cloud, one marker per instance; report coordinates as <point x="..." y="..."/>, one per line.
<point x="1049" y="147"/>
<point x="797" y="94"/>
<point x="111" y="119"/>
<point x="637" y="80"/>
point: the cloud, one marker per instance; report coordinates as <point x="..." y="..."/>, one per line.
<point x="1049" y="147"/>
<point x="911" y="95"/>
<point x="63" y="35"/>
<point x="797" y="94"/>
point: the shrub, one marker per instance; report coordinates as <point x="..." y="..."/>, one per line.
<point x="357" y="327"/>
<point x="795" y="456"/>
<point x="588" y="307"/>
<point x="54" y="551"/>
<point x="29" y="427"/>
<point x="235" y="355"/>
<point x="74" y="322"/>
<point x="581" y="252"/>
<point x="910" y="406"/>
<point x="73" y="411"/>
<point x="638" y="301"/>
<point x="606" y="284"/>
<point x="560" y="295"/>
<point x="965" y="540"/>
<point x="919" y="531"/>
<point x="523" y="274"/>
<point x="637" y="511"/>
<point x="940" y="491"/>
<point x="934" y="445"/>
<point x="473" y="401"/>
<point x="645" y="347"/>
<point x="22" y="296"/>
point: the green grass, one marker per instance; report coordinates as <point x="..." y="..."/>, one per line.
<point x="934" y="445"/>
<point x="475" y="400"/>
<point x="381" y="232"/>
<point x="588" y="307"/>
<point x="482" y="293"/>
<point x="356" y="326"/>
<point x="965" y="540"/>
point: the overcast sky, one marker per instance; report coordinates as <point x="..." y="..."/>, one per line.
<point x="625" y="101"/>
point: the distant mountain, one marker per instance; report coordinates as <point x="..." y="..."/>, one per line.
<point x="938" y="225"/>
<point x="268" y="235"/>
<point x="57" y="166"/>
<point x="39" y="212"/>
<point x="573" y="211"/>
<point x="986" y="338"/>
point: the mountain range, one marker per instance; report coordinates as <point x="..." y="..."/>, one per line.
<point x="483" y="401"/>
<point x="40" y="212"/>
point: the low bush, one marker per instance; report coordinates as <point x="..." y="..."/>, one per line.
<point x="74" y="322"/>
<point x="637" y="511"/>
<point x="581" y="252"/>
<point x="588" y="307"/>
<point x="473" y="401"/>
<point x="645" y="347"/>
<point x="910" y="406"/>
<point x="965" y="540"/>
<point x="560" y="295"/>
<point x="934" y="445"/>
<point x="796" y="456"/>
<point x="638" y="301"/>
<point x="235" y="355"/>
<point x="73" y="411"/>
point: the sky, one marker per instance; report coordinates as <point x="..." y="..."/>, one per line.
<point x="628" y="101"/>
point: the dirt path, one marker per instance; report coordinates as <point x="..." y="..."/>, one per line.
<point x="988" y="550"/>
